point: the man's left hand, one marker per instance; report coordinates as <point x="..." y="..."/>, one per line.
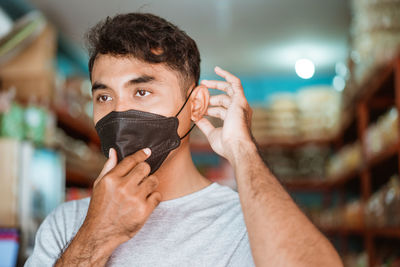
<point x="235" y="112"/>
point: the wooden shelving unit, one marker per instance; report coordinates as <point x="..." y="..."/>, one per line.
<point x="380" y="92"/>
<point x="80" y="128"/>
<point x="321" y="184"/>
<point x="389" y="232"/>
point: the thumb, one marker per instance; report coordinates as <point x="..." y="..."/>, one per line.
<point x="205" y="126"/>
<point x="109" y="165"/>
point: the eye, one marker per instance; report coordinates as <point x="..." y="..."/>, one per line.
<point x="142" y="93"/>
<point x="104" y="98"/>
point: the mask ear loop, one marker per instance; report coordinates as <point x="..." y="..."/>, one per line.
<point x="191" y="128"/>
<point x="187" y="99"/>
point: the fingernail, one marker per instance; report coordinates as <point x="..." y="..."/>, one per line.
<point x="109" y="153"/>
<point x="147" y="151"/>
<point x="216" y="67"/>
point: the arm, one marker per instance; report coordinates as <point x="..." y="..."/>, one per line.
<point x="275" y="224"/>
<point x="279" y="233"/>
<point x="122" y="200"/>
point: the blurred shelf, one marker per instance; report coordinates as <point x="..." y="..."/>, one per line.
<point x="296" y="143"/>
<point x="343" y="230"/>
<point x="339" y="180"/>
<point x="391" y="232"/>
<point x="76" y="178"/>
<point x="386" y="153"/>
<point x="81" y="127"/>
<point x="388" y="232"/>
<point x="343" y="178"/>
<point x="306" y="184"/>
<point x="314" y="184"/>
<point x="377" y="81"/>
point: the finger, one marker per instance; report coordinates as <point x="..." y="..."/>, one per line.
<point x="108" y="166"/>
<point x="154" y="199"/>
<point x="218" y="112"/>
<point x="138" y="173"/>
<point x="227" y="76"/>
<point x="130" y="162"/>
<point x="110" y="163"/>
<point x="205" y="126"/>
<point x="219" y="85"/>
<point x="148" y="185"/>
<point x="220" y="100"/>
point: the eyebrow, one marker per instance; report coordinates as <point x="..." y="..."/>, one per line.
<point x="138" y="80"/>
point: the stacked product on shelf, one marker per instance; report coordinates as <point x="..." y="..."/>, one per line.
<point x="26" y="58"/>
<point x="306" y="162"/>
<point x="350" y="216"/>
<point x="312" y="113"/>
<point x="382" y="134"/>
<point x="382" y="209"/>
<point x="277" y="122"/>
<point x="33" y="122"/>
<point x="346" y="160"/>
<point x="319" y="112"/>
<point x="375" y="40"/>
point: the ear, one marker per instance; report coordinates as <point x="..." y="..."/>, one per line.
<point x="199" y="102"/>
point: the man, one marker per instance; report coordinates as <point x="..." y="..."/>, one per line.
<point x="153" y="210"/>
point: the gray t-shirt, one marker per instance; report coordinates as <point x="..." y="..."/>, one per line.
<point x="204" y="228"/>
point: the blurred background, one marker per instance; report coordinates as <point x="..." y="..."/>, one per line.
<point x="323" y="78"/>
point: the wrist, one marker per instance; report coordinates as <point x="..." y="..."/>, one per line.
<point x="89" y="247"/>
<point x="241" y="151"/>
<point x="99" y="235"/>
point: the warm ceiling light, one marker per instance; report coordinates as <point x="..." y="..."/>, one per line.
<point x="304" y="68"/>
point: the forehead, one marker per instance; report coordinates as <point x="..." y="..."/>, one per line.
<point x="109" y="68"/>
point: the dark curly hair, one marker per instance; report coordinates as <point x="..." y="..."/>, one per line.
<point x="148" y="38"/>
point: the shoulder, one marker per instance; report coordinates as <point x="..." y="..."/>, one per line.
<point x="224" y="194"/>
<point x="74" y="207"/>
<point x="56" y="231"/>
<point x="66" y="219"/>
<point x="71" y="214"/>
<point x="71" y="210"/>
<point x="224" y="201"/>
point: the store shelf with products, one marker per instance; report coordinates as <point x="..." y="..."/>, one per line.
<point x="390" y="232"/>
<point x="35" y="91"/>
<point x="82" y="126"/>
<point x="372" y="162"/>
<point x="301" y="184"/>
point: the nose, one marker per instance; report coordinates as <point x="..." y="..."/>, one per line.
<point x="122" y="105"/>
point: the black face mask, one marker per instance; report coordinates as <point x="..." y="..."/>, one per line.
<point x="132" y="130"/>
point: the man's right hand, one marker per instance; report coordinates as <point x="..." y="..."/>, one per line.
<point x="123" y="198"/>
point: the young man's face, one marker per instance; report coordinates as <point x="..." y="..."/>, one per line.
<point x="123" y="83"/>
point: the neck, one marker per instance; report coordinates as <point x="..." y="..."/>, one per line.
<point x="178" y="176"/>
